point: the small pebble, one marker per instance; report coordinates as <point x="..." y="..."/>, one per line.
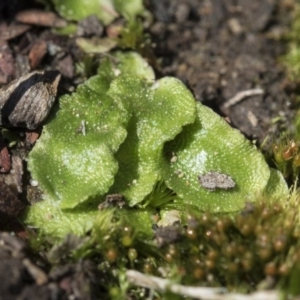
<point x="33" y="182"/>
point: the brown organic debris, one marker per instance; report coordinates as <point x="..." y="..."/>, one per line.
<point x="8" y="32"/>
<point x="90" y="26"/>
<point x="66" y="66"/>
<point x="7" y="61"/>
<point x="26" y="102"/>
<point x="40" y="18"/>
<point x="112" y="200"/>
<point x="114" y="29"/>
<point x="10" y="204"/>
<point x="37" y="273"/>
<point x="37" y="53"/>
<point x="15" y="177"/>
<point x="32" y="136"/>
<point x="11" y="245"/>
<point x="168" y="234"/>
<point x="22" y="65"/>
<point x="5" y="163"/>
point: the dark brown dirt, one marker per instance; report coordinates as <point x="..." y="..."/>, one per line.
<point x="219" y="48"/>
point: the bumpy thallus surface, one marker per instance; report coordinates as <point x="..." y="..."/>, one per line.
<point x="211" y="145"/>
<point x="122" y="132"/>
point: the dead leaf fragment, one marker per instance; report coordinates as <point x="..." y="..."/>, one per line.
<point x="40" y="18"/>
<point x="37" y="53"/>
<point x="12" y="31"/>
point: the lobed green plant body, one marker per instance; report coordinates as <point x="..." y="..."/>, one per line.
<point x="122" y="132"/>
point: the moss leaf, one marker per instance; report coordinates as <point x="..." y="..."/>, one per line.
<point x="158" y="113"/>
<point x="211" y="145"/>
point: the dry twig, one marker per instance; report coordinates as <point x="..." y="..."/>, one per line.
<point x="203" y="293"/>
<point x="241" y="96"/>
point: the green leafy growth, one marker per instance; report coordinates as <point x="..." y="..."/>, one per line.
<point x="158" y="113"/>
<point x="129" y="8"/>
<point x="69" y="29"/>
<point x="276" y="187"/>
<point x="292" y="61"/>
<point x="138" y="219"/>
<point x="71" y="166"/>
<point x="132" y="63"/>
<point x="132" y="36"/>
<point x="159" y="196"/>
<point x="263" y="238"/>
<point x="106" y="10"/>
<point x="96" y="45"/>
<point x="55" y="223"/>
<point x="210" y="144"/>
<point x="73" y="159"/>
<point x="292" y="57"/>
<point x="109" y="137"/>
<point x="77" y="146"/>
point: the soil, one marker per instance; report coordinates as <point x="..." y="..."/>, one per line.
<point x="219" y="48"/>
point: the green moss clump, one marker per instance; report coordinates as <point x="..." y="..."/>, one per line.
<point x="257" y="249"/>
